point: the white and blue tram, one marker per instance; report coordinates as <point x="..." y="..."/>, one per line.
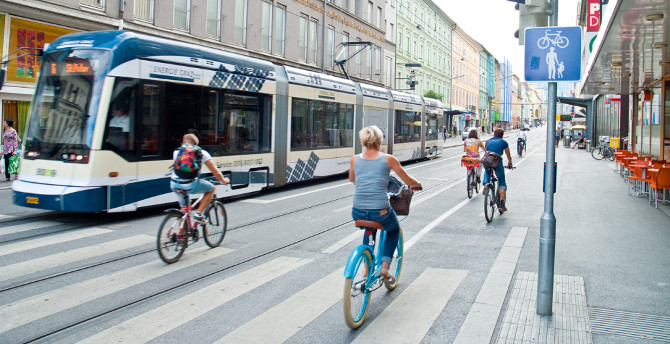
<point x="110" y="107"/>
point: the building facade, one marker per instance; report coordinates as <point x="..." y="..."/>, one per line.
<point x="465" y="82"/>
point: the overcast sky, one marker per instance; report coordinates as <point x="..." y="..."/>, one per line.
<point x="493" y="22"/>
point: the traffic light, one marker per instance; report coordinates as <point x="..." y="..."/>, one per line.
<point x="532" y="13"/>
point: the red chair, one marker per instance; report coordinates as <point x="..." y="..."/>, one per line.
<point x="660" y="181"/>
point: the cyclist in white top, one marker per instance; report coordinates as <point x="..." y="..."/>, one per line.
<point x="521" y="136"/>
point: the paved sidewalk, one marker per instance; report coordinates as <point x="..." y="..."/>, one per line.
<point x="612" y="267"/>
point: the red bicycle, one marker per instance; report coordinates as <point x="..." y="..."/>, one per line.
<point x="471" y="163"/>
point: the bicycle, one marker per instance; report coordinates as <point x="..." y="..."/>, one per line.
<point x="558" y="40"/>
<point x="305" y="139"/>
<point x="491" y="194"/>
<point x="360" y="279"/>
<point x="471" y="180"/>
<point x="520" y="147"/>
<point x="603" y="151"/>
<point x="178" y="230"/>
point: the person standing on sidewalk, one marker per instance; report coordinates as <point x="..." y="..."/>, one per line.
<point x="10" y="140"/>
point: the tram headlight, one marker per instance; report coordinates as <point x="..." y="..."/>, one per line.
<point x="32" y="155"/>
<point x="74" y="157"/>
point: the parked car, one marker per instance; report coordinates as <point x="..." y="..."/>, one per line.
<point x="466" y="131"/>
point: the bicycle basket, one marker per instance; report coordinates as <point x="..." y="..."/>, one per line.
<point x="400" y="196"/>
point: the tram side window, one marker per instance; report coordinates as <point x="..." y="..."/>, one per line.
<point x="119" y="134"/>
<point x="431" y="126"/>
<point x="407" y="126"/>
<point x="151" y="120"/>
<point x="244" y="123"/>
<point x="321" y="124"/>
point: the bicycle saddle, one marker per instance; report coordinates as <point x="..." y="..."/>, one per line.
<point x="369" y="224"/>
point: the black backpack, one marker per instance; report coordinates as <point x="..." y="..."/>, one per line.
<point x="188" y="162"/>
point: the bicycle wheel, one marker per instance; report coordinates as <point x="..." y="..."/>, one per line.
<point x="356" y="297"/>
<point x="469" y="181"/>
<point x="476" y="183"/>
<point x="562" y="42"/>
<point x="543" y="43"/>
<point x="170" y="247"/>
<point x="217" y="222"/>
<point x="610" y="154"/>
<point x="396" y="263"/>
<point x="597" y="154"/>
<point x="489" y="203"/>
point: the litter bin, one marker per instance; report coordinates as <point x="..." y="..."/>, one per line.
<point x="588" y="145"/>
<point x="566" y="141"/>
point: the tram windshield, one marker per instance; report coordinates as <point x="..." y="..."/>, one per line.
<point x="66" y="102"/>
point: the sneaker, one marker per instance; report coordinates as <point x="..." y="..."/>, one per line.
<point x="197" y="217"/>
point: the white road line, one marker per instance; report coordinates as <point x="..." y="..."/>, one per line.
<point x="64" y="258"/>
<point x="158" y="321"/>
<point x="264" y="201"/>
<point x="27" y="310"/>
<point x="51" y="240"/>
<point x="27" y="226"/>
<point x="342" y="209"/>
<point x="481" y="321"/>
<point x="409" y="317"/>
<point x="290" y="316"/>
<point x="344" y="242"/>
<point x="3" y="217"/>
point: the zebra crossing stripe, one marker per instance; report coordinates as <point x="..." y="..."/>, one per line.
<point x="45" y="263"/>
<point x="293" y="314"/>
<point x="409" y="317"/>
<point x="27" y="226"/>
<point x="25" y="311"/>
<point x="160" y="320"/>
<point x="51" y="240"/>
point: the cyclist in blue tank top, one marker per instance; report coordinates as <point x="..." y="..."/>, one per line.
<point x="498" y="145"/>
<point x="369" y="171"/>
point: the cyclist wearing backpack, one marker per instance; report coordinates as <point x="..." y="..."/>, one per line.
<point x="188" y="160"/>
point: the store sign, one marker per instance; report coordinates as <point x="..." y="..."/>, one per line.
<point x="29" y="34"/>
<point x="593" y="15"/>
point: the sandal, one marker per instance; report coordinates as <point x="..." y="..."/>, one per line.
<point x="384" y="272"/>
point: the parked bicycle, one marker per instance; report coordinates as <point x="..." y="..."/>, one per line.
<point x="603" y="151"/>
<point x="305" y="139"/>
<point x="362" y="271"/>
<point x="472" y="164"/>
<point x="178" y="230"/>
<point x="491" y="195"/>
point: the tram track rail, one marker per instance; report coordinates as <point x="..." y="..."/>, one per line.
<point x="218" y="271"/>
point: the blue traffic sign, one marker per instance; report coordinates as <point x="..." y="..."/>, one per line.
<point x="553" y="53"/>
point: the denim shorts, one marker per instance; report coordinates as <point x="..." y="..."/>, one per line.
<point x="500" y="173"/>
<point x="389" y="220"/>
<point x="197" y="186"/>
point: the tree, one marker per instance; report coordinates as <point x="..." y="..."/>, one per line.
<point x="432" y="94"/>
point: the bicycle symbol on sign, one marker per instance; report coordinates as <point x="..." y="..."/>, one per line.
<point x="553" y="38"/>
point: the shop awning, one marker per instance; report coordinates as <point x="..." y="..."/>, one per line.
<point x="631" y="50"/>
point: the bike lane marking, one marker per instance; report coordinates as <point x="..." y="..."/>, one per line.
<point x="483" y="316"/>
<point x="27" y="226"/>
<point x="422" y="300"/>
<point x="21" y="312"/>
<point x="72" y="256"/>
<point x="292" y="314"/>
<point x="52" y="240"/>
<point x="158" y="321"/>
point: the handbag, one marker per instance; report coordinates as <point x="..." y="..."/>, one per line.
<point x="401" y="200"/>
<point x="491" y="159"/>
<point x="14" y="164"/>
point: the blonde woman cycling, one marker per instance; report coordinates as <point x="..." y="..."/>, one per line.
<point x="369" y="171"/>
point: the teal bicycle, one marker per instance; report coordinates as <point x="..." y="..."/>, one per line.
<point x="362" y="272"/>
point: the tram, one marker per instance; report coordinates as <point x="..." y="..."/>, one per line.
<point x="110" y="107"/>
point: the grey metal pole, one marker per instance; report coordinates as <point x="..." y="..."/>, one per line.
<point x="545" y="277"/>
